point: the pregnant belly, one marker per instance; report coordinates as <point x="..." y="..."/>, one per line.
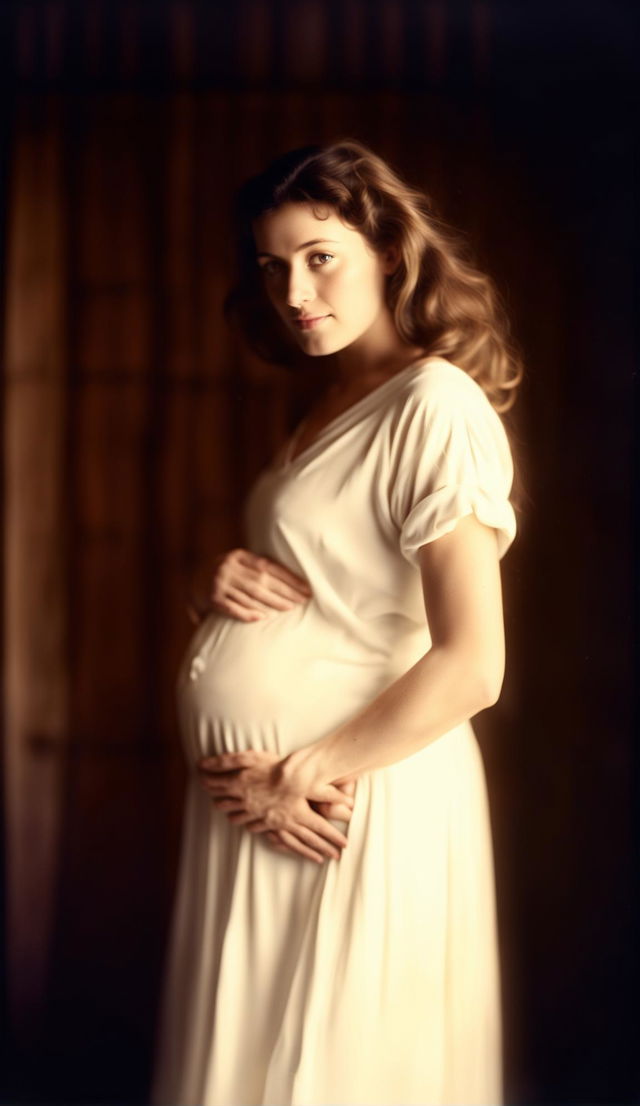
<point x="275" y="684"/>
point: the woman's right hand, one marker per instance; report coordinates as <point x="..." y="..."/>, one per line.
<point x="247" y="586"/>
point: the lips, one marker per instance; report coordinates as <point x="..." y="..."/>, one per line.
<point x="307" y="322"/>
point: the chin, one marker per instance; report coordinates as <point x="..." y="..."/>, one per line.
<point x="323" y="346"/>
<point x="318" y="352"/>
<point x="316" y="346"/>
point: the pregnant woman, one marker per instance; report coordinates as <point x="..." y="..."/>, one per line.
<point x="334" y="935"/>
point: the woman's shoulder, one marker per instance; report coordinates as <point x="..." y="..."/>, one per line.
<point x="437" y="384"/>
<point x="443" y="417"/>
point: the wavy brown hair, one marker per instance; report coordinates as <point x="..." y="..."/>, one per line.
<point x="440" y="300"/>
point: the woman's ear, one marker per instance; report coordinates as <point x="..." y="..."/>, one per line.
<point x="391" y="259"/>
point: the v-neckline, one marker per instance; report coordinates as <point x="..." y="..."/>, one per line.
<point x="288" y="462"/>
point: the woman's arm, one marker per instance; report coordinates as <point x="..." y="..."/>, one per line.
<point x="460" y="674"/>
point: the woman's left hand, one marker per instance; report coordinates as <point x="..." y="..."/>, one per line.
<point x="251" y="789"/>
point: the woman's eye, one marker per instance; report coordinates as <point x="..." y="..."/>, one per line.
<point x="269" y="268"/>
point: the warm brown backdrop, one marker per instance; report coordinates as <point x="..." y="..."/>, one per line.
<point x="133" y="425"/>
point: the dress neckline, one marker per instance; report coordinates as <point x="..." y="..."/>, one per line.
<point x="288" y="462"/>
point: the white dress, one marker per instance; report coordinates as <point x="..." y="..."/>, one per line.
<point x="372" y="979"/>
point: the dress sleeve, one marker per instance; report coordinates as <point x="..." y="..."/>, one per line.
<point x="451" y="458"/>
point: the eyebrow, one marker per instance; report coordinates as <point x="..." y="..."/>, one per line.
<point x="313" y="242"/>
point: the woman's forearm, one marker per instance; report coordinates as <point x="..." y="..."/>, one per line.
<point x="444" y="688"/>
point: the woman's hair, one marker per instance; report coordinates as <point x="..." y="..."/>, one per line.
<point x="440" y="301"/>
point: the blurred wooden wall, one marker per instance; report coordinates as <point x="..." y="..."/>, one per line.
<point x="134" y="425"/>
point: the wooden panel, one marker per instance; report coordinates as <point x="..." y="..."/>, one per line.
<point x="113" y="326"/>
<point x="111" y="189"/>
<point x="306" y="40"/>
<point x="183" y="300"/>
<point x="35" y="600"/>
<point x="256" y="41"/>
<point x="134" y="423"/>
<point x="114" y="890"/>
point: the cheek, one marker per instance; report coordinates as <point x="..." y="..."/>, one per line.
<point x="357" y="295"/>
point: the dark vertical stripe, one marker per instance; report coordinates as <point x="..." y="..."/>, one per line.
<point x="197" y="319"/>
<point x="109" y="59"/>
<point x="335" y="69"/>
<point x="154" y="30"/>
<point x="76" y="124"/>
<point x="373" y="61"/>
<point x="73" y="127"/>
<point x="215" y="55"/>
<point x="37" y="28"/>
<point x="415" y="54"/>
<point x="74" y="73"/>
<point x="150" y="563"/>
<point x="8" y="30"/>
<point x="460" y="69"/>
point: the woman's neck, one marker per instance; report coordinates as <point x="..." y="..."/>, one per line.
<point x="359" y="377"/>
<point x="376" y="355"/>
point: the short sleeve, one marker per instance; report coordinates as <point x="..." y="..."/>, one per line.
<point x="450" y="458"/>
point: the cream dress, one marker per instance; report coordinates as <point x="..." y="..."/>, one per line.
<point x="373" y="979"/>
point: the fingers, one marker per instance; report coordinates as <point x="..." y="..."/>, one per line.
<point x="220" y="789"/>
<point x="297" y="845"/>
<point x="229" y="806"/>
<point x="237" y="610"/>
<point x="274" y="841"/>
<point x="248" y="586"/>
<point x="294" y="584"/>
<point x="243" y="817"/>
<point x="338" y="811"/>
<point x="279" y="846"/>
<point x="310" y="834"/>
<point x="296" y="593"/>
<point x="324" y="829"/>
<point x="332" y="794"/>
<point x="265" y="591"/>
<point x="301" y="837"/>
<point x="232" y="599"/>
<point x="231" y="762"/>
<point x="299" y="840"/>
<point x="275" y="592"/>
<point x="247" y="597"/>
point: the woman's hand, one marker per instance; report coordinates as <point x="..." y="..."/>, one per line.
<point x="339" y="810"/>
<point x="251" y="789"/>
<point x="247" y="586"/>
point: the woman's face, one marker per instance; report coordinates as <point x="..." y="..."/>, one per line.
<point x="322" y="270"/>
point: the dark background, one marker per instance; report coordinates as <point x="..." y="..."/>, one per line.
<point x="133" y="424"/>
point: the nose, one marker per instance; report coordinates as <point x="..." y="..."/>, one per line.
<point x="299" y="287"/>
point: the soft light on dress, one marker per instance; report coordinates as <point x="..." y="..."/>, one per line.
<point x="372" y="980"/>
